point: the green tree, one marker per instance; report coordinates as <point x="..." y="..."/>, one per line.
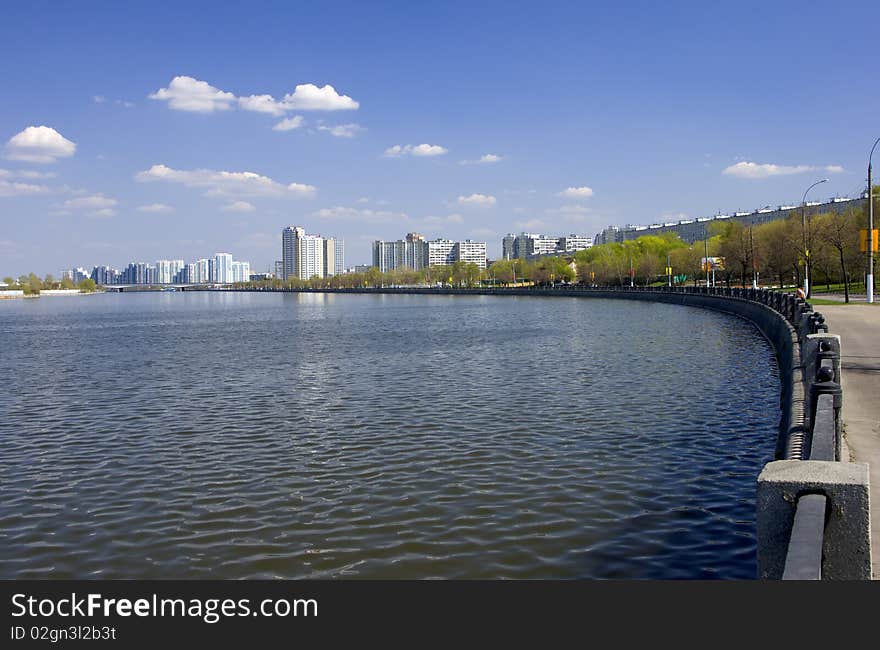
<point x="33" y="284"/>
<point x="87" y="286"/>
<point x="840" y="233"/>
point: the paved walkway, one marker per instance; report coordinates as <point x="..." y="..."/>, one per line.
<point x="859" y="330"/>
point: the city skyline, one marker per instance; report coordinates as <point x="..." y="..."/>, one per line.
<point x="173" y="143"/>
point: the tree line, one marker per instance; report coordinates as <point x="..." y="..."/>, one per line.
<point x="32" y="284"/>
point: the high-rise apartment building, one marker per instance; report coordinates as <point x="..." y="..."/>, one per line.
<point x="334" y="256"/>
<point x="167" y="270"/>
<point x="302" y="254"/>
<point x="241" y="271"/>
<point x="222" y="267"/>
<point x="411" y="253"/>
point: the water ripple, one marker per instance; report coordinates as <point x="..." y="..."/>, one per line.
<point x="203" y="435"/>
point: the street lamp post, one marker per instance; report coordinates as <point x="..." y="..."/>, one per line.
<point x="804" y="231"/>
<point x="869" y="280"/>
<point x="706" y="249"/>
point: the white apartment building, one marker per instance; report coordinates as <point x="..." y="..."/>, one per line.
<point x="167" y="270"/>
<point x="222" y="267"/>
<point x="574" y="243"/>
<point x="241" y="271"/>
<point x="441" y="252"/>
<point x="471" y="252"/>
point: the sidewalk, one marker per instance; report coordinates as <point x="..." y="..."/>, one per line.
<point x="859" y="330"/>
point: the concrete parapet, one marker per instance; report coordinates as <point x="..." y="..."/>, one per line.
<point x="846" y="548"/>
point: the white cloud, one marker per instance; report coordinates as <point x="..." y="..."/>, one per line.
<point x="421" y="150"/>
<point x="363" y="199"/>
<point x="123" y="103"/>
<point x="188" y="94"/>
<point x="746" y="169"/>
<point x="289" y="124"/>
<point x="156" y="208"/>
<point x="9" y="188"/>
<point x="93" y="202"/>
<point x="443" y="221"/>
<point x="238" y="206"/>
<point x="26" y="173"/>
<point x="40" y="144"/>
<point x="531" y="224"/>
<point x="226" y="184"/>
<point x="481" y="200"/>
<point x="486" y="159"/>
<point x="342" y="130"/>
<point x="365" y="216"/>
<point x="99" y="99"/>
<point x="577" y="192"/>
<point x="262" y="104"/>
<point x="308" y="97"/>
<point x="571" y="213"/>
<point x="96" y="205"/>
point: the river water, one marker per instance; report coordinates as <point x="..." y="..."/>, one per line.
<point x="243" y="435"/>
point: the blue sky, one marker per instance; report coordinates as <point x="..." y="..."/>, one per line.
<point x="549" y="117"/>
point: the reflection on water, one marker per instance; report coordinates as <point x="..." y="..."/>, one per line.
<point x="316" y="435"/>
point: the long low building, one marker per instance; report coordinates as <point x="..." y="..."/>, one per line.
<point x="691" y="230"/>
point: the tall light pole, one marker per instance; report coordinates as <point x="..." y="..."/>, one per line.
<point x="804" y="231"/>
<point x="869" y="281"/>
<point x="706" y="249"/>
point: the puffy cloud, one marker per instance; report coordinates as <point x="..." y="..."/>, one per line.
<point x="226" y="184"/>
<point x="156" y="208"/>
<point x="577" y="192"/>
<point x="421" y="150"/>
<point x="481" y="200"/>
<point x="365" y="215"/>
<point x="308" y="97"/>
<point x="238" y="206"/>
<point x="342" y="130"/>
<point x="486" y="159"/>
<point x="747" y="169"/>
<point x="10" y="188"/>
<point x="96" y="205"/>
<point x="188" y="94"/>
<point x="758" y="170"/>
<point x="289" y="124"/>
<point x="262" y="104"/>
<point x="99" y="99"/>
<point x="40" y="144"/>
